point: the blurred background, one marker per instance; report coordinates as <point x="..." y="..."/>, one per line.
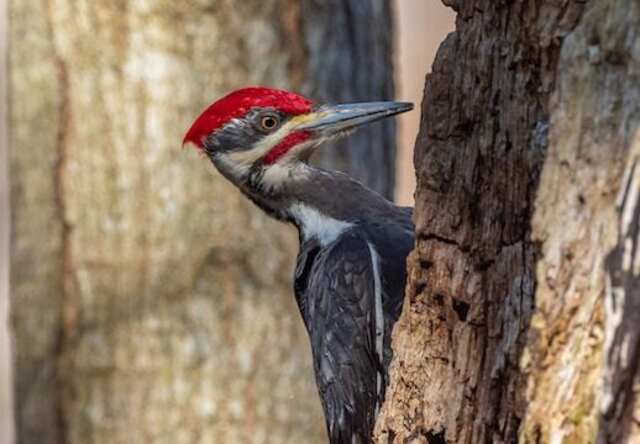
<point x="148" y="301"/>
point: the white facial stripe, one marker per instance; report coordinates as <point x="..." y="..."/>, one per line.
<point x="276" y="175"/>
<point x="239" y="163"/>
<point x="236" y="169"/>
<point x="248" y="157"/>
<point x="281" y="172"/>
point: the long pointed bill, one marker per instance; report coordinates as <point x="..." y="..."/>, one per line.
<point x="327" y="121"/>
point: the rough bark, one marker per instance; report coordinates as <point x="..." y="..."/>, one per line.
<point x="470" y="296"/>
<point x="584" y="383"/>
<point x="150" y="302"/>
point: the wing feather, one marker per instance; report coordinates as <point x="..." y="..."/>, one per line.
<point x="342" y="319"/>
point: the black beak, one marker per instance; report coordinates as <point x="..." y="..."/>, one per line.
<point x="330" y="120"/>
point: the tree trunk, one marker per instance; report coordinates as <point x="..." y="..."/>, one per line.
<point x="150" y="302"/>
<point x="584" y="380"/>
<point x="6" y="417"/>
<point x="523" y="304"/>
<point x="470" y="296"/>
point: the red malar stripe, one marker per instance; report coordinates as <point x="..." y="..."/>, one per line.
<point x="283" y="147"/>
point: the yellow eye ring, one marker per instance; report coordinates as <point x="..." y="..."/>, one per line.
<point x="268" y="123"/>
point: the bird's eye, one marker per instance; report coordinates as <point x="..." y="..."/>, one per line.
<point x="268" y="123"/>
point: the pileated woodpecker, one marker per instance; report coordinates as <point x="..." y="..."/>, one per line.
<point x="350" y="273"/>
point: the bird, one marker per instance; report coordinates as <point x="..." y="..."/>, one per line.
<point x="350" y="269"/>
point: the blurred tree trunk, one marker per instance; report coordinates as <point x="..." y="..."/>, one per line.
<point x="6" y="400"/>
<point x="353" y="63"/>
<point x="523" y="303"/>
<point x="150" y="301"/>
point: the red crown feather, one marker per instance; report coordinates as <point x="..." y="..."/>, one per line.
<point x="238" y="104"/>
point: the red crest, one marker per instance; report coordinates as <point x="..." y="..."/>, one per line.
<point x="238" y="104"/>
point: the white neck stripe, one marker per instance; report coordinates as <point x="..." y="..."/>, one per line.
<point x="379" y="317"/>
<point x="314" y="224"/>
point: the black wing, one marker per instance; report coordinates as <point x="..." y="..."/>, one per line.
<point x="340" y="314"/>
